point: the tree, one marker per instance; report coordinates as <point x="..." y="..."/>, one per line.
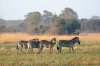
<point x="54" y="25"/>
<point x="2" y="25"/>
<point x="68" y="14"/>
<point x="47" y="17"/>
<point x="90" y="25"/>
<point x="62" y="25"/>
<point x="95" y="17"/>
<point x="2" y="28"/>
<point x="68" y="21"/>
<point x="49" y="22"/>
<point x="32" y="20"/>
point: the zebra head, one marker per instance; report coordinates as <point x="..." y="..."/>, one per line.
<point x="78" y="41"/>
<point x="53" y="41"/>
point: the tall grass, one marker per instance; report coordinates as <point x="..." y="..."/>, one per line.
<point x="86" y="54"/>
<point x="15" y="37"/>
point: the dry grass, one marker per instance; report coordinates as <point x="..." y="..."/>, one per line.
<point x="86" y="54"/>
<point x="14" y="37"/>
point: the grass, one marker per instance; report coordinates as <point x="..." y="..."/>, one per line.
<point x="86" y="54"/>
<point x="15" y="37"/>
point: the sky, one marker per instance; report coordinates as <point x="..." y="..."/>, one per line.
<point x="16" y="9"/>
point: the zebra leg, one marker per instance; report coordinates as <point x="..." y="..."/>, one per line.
<point x="21" y="49"/>
<point x="69" y="49"/>
<point x="51" y="49"/>
<point x="28" y="49"/>
<point x="32" y="50"/>
<point x="60" y="49"/>
<point x="17" y="51"/>
<point x="40" y="49"/>
<point x="17" y="48"/>
<point x="73" y="49"/>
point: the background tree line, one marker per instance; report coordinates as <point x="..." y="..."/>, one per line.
<point x="67" y="22"/>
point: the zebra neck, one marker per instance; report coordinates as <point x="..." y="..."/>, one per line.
<point x="73" y="41"/>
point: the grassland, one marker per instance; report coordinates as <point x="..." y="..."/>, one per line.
<point x="86" y="54"/>
<point x="15" y="37"/>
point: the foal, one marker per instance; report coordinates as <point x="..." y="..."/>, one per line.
<point x="48" y="44"/>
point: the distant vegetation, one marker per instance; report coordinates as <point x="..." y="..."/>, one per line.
<point x="67" y="22"/>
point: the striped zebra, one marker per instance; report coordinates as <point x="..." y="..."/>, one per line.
<point x="67" y="43"/>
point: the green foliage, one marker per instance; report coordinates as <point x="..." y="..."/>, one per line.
<point x="68" y="14"/>
<point x="68" y="22"/>
<point x="75" y="25"/>
<point x="90" y="25"/>
<point x="68" y="26"/>
<point x="2" y="25"/>
<point x="61" y="22"/>
<point x="32" y="20"/>
<point x="37" y="23"/>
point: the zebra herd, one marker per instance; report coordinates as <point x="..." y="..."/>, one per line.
<point x="40" y="44"/>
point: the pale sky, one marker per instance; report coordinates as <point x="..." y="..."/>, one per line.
<point x="16" y="9"/>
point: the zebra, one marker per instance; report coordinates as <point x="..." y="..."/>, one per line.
<point x="21" y="44"/>
<point x="48" y="44"/>
<point x="67" y="43"/>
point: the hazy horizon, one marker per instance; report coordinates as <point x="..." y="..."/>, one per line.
<point x="16" y="9"/>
